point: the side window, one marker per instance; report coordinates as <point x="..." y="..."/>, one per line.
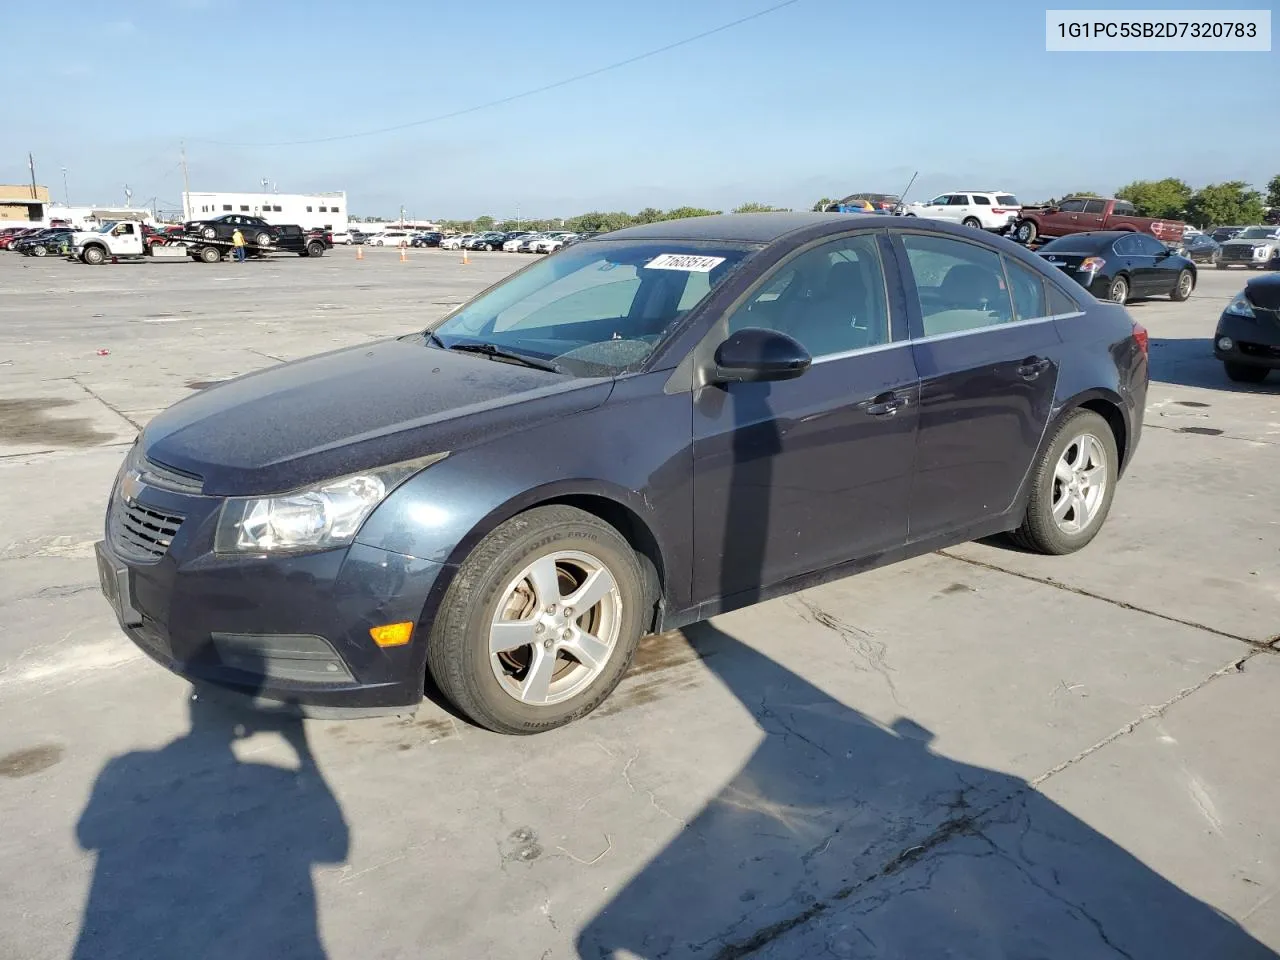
<point x="226" y="206"/>
<point x="1149" y="245"/>
<point x="1095" y="206"/>
<point x="981" y="201"/>
<point x="1027" y="288"/>
<point x="1125" y="209"/>
<point x="1071" y="206"/>
<point x="831" y="298"/>
<point x="959" y="200"/>
<point x="960" y="286"/>
<point x="1127" y="246"/>
<point x="1059" y="303"/>
<point x="939" y="201"/>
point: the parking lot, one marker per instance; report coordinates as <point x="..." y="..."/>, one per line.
<point x="978" y="753"/>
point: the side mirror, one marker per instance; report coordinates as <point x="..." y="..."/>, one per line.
<point x="754" y="354"/>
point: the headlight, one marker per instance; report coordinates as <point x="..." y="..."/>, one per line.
<point x="1240" y="306"/>
<point x="328" y="514"/>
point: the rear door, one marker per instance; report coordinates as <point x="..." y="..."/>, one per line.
<point x="1093" y="216"/>
<point x="798" y="475"/>
<point x="988" y="356"/>
<point x="1138" y="263"/>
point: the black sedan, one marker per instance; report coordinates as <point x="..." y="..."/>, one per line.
<point x="51" y="241"/>
<point x="1200" y="248"/>
<point x="1119" y="265"/>
<point x="644" y="430"/>
<point x="428" y="238"/>
<point x="255" y="230"/>
<point x="1248" y="337"/>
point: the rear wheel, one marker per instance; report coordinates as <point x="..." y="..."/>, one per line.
<point x="315" y="249"/>
<point x="263" y="239"/>
<point x="973" y="223"/>
<point x="1072" y="486"/>
<point x="1222" y="266"/>
<point x="210" y="254"/>
<point x="1118" y="292"/>
<point x="540" y="623"/>
<point x="1182" y="289"/>
<point x="1244" y="373"/>
<point x="39" y="251"/>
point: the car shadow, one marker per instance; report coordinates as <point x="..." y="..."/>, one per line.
<point x="843" y="836"/>
<point x="203" y="855"/>
<point x="1189" y="362"/>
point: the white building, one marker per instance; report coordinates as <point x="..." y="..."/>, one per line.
<point x="308" y="210"/>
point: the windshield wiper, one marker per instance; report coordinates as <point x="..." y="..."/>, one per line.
<point x="432" y="338"/>
<point x="498" y="353"/>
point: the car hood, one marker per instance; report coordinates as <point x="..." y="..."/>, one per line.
<point x="1242" y="242"/>
<point x="351" y="409"/>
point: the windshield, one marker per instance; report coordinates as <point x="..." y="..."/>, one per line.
<point x="597" y="308"/>
<point x="106" y="227"/>
<point x="1258" y="233"/>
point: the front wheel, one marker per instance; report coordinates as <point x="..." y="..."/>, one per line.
<point x="1118" y="292"/>
<point x="39" y="252"/>
<point x="1182" y="289"/>
<point x="93" y="255"/>
<point x="540" y="623"/>
<point x="208" y="233"/>
<point x="1025" y="232"/>
<point x="1222" y="266"/>
<point x="1244" y="373"/>
<point x="1072" y="486"/>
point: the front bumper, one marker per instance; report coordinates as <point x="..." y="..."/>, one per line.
<point x="291" y="630"/>
<point x="1254" y="342"/>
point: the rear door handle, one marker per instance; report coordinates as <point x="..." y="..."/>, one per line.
<point x="1032" y="367"/>
<point x="884" y="405"/>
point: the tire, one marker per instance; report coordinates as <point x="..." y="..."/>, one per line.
<point x="93" y="255"/>
<point x="972" y="222"/>
<point x="39" y="251"/>
<point x="458" y="649"/>
<point x="209" y="233"/>
<point x="1025" y="232"/>
<point x="263" y="239"/>
<point x="378" y="243"/>
<point x="1244" y="373"/>
<point x="1118" y="291"/>
<point x="315" y="249"/>
<point x="1187" y="280"/>
<point x="210" y="254"/>
<point x="1222" y="266"/>
<point x="1040" y="532"/>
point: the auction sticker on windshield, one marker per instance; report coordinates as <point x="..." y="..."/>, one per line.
<point x="684" y="261"/>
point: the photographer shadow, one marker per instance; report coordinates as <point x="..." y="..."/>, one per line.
<point x="202" y="854"/>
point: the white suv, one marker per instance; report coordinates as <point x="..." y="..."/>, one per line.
<point x="980" y="209"/>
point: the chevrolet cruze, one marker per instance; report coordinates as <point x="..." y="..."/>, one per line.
<point x="635" y="433"/>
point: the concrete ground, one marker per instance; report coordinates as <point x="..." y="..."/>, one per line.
<point x="978" y="753"/>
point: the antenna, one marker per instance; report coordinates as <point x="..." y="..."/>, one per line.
<point x="902" y="197"/>
<point x="186" y="186"/>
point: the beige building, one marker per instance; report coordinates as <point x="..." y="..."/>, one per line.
<point x="22" y="204"/>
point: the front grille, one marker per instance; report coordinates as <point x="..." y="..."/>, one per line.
<point x="141" y="533"/>
<point x="1237" y="253"/>
<point x="158" y="475"/>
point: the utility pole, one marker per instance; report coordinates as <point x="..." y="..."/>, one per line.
<point x="186" y="184"/>
<point x="66" y="191"/>
<point x="31" y="162"/>
<point x="517" y="216"/>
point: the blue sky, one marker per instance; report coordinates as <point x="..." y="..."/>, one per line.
<point x="821" y="98"/>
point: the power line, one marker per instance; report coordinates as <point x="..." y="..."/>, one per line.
<point x="515" y="96"/>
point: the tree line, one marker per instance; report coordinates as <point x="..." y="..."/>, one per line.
<point x="1232" y="202"/>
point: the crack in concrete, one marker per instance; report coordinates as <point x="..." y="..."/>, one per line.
<point x="1218" y="436"/>
<point x="1264" y="645"/>
<point x="859" y="641"/>
<point x="110" y="406"/>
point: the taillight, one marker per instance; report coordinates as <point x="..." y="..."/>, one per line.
<point x="1092" y="264"/>
<point x="1140" y="335"/>
<point x="1000" y="210"/>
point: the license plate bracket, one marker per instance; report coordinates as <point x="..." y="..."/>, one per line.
<point x="114" y="580"/>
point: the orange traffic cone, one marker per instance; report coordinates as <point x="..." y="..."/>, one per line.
<point x="404" y="254"/>
<point x="464" y="255"/>
<point x="359" y="252"/>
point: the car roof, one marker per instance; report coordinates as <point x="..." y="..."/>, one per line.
<point x="741" y="227"/>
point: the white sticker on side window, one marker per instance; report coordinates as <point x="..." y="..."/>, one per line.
<point x="684" y="261"/>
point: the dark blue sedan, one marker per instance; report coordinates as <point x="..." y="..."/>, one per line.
<point x="644" y="430"/>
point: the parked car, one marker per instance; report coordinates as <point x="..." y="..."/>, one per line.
<point x="7" y="236"/>
<point x="456" y="241"/>
<point x="489" y="240"/>
<point x="865" y="203"/>
<point x="390" y="238"/>
<point x="428" y="238"/>
<point x="527" y="243"/>
<point x="1119" y="265"/>
<point x="292" y="238"/>
<point x="1247" y="340"/>
<point x="513" y="241"/>
<point x="11" y="241"/>
<point x="549" y="241"/>
<point x="55" y="240"/>
<point x="337" y="528"/>
<point x="1200" y="248"/>
<point x="1252" y="247"/>
<point x="555" y="243"/>
<point x="982" y="210"/>
<point x="1090" y="214"/>
<point x="579" y="237"/>
<point x="255" y="230"/>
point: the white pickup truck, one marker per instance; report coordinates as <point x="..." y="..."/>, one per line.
<point x="114" y="239"/>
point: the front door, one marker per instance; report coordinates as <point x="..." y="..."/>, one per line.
<point x="1065" y="220"/>
<point x="988" y="357"/>
<point x="797" y="475"/>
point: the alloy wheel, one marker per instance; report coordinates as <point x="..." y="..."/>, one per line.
<point x="556" y="627"/>
<point x="1079" y="484"/>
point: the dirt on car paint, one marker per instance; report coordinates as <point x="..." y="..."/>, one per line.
<point x="27" y="421"/>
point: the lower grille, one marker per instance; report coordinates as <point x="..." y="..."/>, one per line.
<point x="1237" y="253"/>
<point x="141" y="533"/>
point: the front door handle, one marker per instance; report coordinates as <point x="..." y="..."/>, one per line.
<point x="1032" y="367"/>
<point x="884" y="405"/>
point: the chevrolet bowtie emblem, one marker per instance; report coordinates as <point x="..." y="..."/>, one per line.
<point x="131" y="486"/>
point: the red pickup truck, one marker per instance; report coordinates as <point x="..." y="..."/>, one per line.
<point x="1083" y="214"/>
